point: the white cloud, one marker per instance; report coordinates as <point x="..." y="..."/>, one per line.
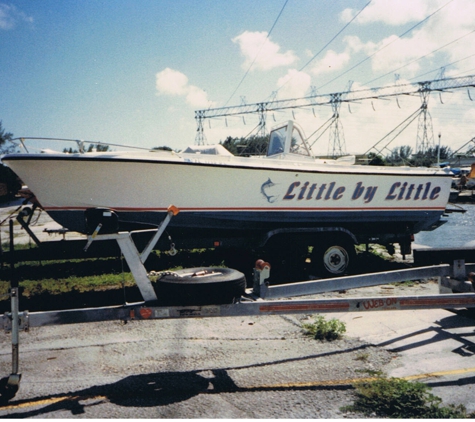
<point x="424" y="44"/>
<point x="260" y="51"/>
<point x="393" y="12"/>
<point x="10" y="16"/>
<point x="331" y="62"/>
<point x="294" y="84"/>
<point x="171" y="82"/>
<point x="174" y="83"/>
<point x="196" y="97"/>
<point x="400" y="52"/>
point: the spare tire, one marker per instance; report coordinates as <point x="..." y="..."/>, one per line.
<point x="199" y="286"/>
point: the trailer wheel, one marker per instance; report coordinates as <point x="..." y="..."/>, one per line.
<point x="199" y="286"/>
<point x="333" y="257"/>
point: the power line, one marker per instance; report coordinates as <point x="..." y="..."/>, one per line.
<point x="469" y="70"/>
<point x="329" y="42"/>
<point x="387" y="45"/>
<point x="449" y="64"/>
<point x="415" y="60"/>
<point x="257" y="55"/>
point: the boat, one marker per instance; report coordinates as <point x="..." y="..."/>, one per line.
<point x="226" y="200"/>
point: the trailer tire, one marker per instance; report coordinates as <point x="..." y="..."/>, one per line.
<point x="333" y="257"/>
<point x="200" y="286"/>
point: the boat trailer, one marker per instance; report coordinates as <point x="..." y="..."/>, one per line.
<point x="261" y="299"/>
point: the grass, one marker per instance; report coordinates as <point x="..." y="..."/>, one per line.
<point x="64" y="277"/>
<point x="399" y="398"/>
<point x="94" y="274"/>
<point x="78" y="284"/>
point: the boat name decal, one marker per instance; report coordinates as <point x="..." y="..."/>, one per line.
<point x="326" y="191"/>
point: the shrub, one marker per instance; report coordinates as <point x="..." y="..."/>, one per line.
<point x="321" y="329"/>
<point x="398" y="398"/>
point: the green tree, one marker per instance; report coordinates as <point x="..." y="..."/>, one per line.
<point x="102" y="148"/>
<point x="8" y="178"/>
<point x="164" y="148"/>
<point x="429" y="158"/>
<point x="245" y="147"/>
<point x="400" y="155"/>
<point x="99" y="148"/>
<point x="70" y="150"/>
<point x="375" y="160"/>
<point x="6" y="144"/>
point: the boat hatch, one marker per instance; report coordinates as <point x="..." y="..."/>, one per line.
<point x="288" y="139"/>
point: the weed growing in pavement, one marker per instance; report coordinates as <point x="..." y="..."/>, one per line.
<point x="371" y="372"/>
<point x="399" y="398"/>
<point x="321" y="329"/>
<point x="363" y="356"/>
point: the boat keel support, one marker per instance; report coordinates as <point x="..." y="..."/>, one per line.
<point x="134" y="258"/>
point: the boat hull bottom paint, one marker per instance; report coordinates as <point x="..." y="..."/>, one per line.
<point x="211" y="229"/>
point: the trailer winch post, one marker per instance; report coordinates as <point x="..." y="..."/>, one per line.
<point x="261" y="274"/>
<point x="171" y="212"/>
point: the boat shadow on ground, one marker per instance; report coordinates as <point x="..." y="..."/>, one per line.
<point x="165" y="388"/>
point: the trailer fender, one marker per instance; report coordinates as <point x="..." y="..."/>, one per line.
<point x="307" y="232"/>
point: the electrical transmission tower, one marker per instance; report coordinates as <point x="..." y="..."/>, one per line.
<point x="261" y="111"/>
<point x="425" y="133"/>
<point x="425" y="137"/>
<point x="200" y="138"/>
<point x="336" y="147"/>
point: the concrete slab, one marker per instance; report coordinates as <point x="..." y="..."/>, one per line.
<point x="434" y="346"/>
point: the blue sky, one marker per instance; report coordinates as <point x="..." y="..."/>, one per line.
<point x="134" y="71"/>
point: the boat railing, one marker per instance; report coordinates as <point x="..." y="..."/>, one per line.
<point x="81" y="146"/>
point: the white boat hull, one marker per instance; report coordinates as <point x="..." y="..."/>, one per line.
<point x="231" y="193"/>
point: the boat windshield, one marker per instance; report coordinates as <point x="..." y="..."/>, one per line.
<point x="297" y="144"/>
<point x="279" y="138"/>
<point x="277" y="141"/>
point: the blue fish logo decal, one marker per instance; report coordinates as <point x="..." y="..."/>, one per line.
<point x="265" y="186"/>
